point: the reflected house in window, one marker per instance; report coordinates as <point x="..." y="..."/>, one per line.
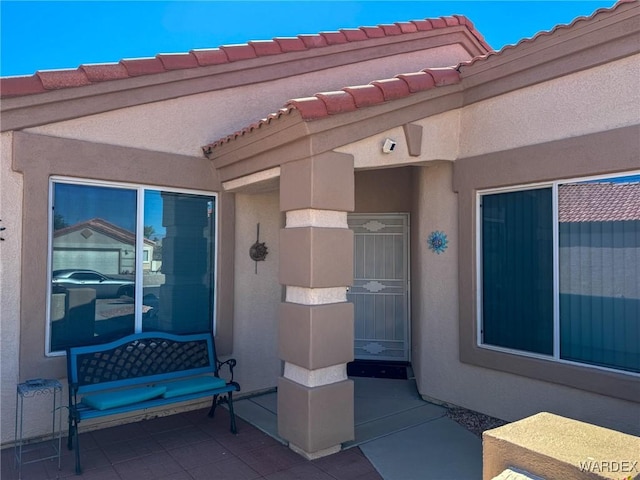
<point x="599" y="249"/>
<point x="98" y="245"/>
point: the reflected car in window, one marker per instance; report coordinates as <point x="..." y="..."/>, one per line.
<point x="105" y="287"/>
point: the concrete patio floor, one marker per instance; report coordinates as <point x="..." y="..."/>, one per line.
<point x="398" y="437"/>
<point x="190" y="446"/>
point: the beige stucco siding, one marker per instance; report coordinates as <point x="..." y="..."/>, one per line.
<point x="439" y="373"/>
<point x="183" y="125"/>
<point x="440" y="140"/>
<point x="597" y="99"/>
<point x="257" y="295"/>
<point x="10" y="214"/>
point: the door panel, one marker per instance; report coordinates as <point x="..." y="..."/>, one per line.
<point x="380" y="288"/>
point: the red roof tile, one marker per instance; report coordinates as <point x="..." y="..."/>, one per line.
<point x="142" y="66"/>
<point x="354" y="34"/>
<point x="293" y="44"/>
<point x="52" y="79"/>
<point x="373" y="32"/>
<point x="349" y="99"/>
<point x="88" y="74"/>
<point x="177" y="61"/>
<point x="104" y="72"/>
<point x="334" y="38"/>
<point x="313" y="41"/>
<point x="239" y="52"/>
<point x="211" y="56"/>
<point x="393" y="88"/>
<point x="547" y="33"/>
<point x="391" y="29"/>
<point x="266" y="47"/>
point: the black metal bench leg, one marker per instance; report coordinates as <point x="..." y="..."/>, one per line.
<point x="214" y="404"/>
<point x="77" y="442"/>
<point x="70" y="437"/>
<point x="231" y="413"/>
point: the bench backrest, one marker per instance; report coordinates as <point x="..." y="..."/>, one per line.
<point x="153" y="355"/>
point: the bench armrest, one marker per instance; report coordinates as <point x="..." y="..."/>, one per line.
<point x="230" y="364"/>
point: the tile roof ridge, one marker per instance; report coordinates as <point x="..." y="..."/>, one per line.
<point x="348" y="99"/>
<point x="544" y="33"/>
<point x="43" y="81"/>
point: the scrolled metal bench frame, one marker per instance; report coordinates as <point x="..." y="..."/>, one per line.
<point x="142" y="359"/>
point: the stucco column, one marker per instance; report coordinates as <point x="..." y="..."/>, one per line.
<point x="315" y="397"/>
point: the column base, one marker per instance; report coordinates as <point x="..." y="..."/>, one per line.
<point x="315" y="455"/>
<point x="315" y="418"/>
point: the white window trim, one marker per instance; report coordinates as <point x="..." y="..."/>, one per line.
<point x="140" y="189"/>
<point x="556" y="270"/>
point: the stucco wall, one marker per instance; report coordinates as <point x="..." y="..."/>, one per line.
<point x="185" y="124"/>
<point x="439" y="373"/>
<point x="597" y="99"/>
<point x="10" y="214"/>
<point x="257" y="295"/>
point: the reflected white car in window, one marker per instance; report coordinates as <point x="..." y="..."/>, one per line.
<point x="105" y="287"/>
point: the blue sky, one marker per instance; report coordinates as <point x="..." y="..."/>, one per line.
<point x="44" y="35"/>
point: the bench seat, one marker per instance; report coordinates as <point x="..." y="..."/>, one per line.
<point x="144" y="371"/>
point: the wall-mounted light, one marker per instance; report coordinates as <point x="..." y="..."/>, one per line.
<point x="388" y="146"/>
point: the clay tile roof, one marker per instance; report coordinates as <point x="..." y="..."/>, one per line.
<point x="491" y="53"/>
<point x="393" y="88"/>
<point x="104" y="72"/>
<point x="349" y="99"/>
<point x="266" y="47"/>
<point x="142" y="66"/>
<point x="313" y="41"/>
<point x="291" y="44"/>
<point x="177" y="61"/>
<point x="42" y="82"/>
<point x="211" y="56"/>
<point x="337" y="102"/>
<point x="354" y="34"/>
<point x="239" y="52"/>
<point x="373" y="32"/>
<point x="391" y="29"/>
<point x="52" y="79"/>
<point x="599" y="202"/>
<point x="334" y="38"/>
<point x="365" y="95"/>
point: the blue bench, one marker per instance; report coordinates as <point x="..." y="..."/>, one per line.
<point x="142" y="371"/>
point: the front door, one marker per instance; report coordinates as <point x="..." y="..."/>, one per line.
<point x="380" y="291"/>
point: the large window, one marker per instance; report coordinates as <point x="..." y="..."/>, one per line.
<point x="560" y="271"/>
<point x="126" y="259"/>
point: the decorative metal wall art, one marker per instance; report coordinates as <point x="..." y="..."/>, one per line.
<point x="258" y="251"/>
<point x="437" y="241"/>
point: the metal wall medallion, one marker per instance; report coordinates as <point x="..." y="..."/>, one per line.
<point x="437" y="241"/>
<point x="258" y="251"/>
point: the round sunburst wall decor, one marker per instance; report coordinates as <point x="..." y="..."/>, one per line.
<point x="437" y="241"/>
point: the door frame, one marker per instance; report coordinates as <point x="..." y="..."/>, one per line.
<point x="407" y="242"/>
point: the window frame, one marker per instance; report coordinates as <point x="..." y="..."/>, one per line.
<point x="140" y="189"/>
<point x="554" y="184"/>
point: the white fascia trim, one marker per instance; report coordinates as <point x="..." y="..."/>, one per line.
<point x="311" y="217"/>
<point x="316" y="296"/>
<point x="315" y="378"/>
<point x="257" y="177"/>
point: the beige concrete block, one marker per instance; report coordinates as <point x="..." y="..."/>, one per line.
<point x="315" y="419"/>
<point x="316" y="257"/>
<point x="316" y="336"/>
<point x="550" y="446"/>
<point x="323" y="182"/>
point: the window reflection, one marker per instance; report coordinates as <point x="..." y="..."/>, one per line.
<point x="93" y="264"/>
